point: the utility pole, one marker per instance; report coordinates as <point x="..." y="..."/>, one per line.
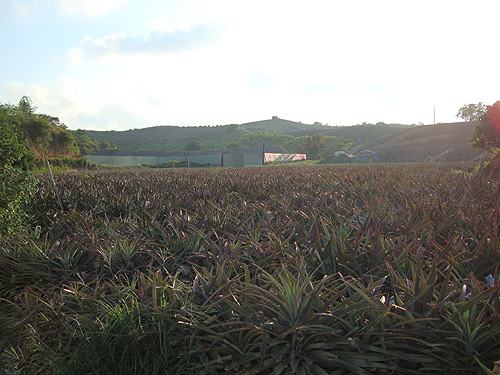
<point x="434" y="115"/>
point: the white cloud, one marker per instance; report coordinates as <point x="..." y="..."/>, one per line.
<point x="82" y="111"/>
<point x="56" y="100"/>
<point x="156" y="42"/>
<point x="224" y="61"/>
<point x="160" y="24"/>
<point x="75" y="56"/>
<point x="111" y="117"/>
<point x="12" y="92"/>
<point x="24" y="7"/>
<point x="88" y="7"/>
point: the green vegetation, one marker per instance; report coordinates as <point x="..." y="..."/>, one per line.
<point x="193" y="146"/>
<point x="63" y="164"/>
<point x="486" y="135"/>
<point x="472" y="112"/>
<point x="47" y="135"/>
<point x="313" y="146"/>
<point x="392" y="142"/>
<point x="440" y="142"/>
<point x="373" y="269"/>
<point x="87" y="145"/>
<point x="277" y="132"/>
<point x="15" y="163"/>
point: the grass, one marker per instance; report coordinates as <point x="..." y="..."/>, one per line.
<point x="376" y="269"/>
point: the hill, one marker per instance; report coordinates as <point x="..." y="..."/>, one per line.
<point x="365" y="132"/>
<point x="169" y="138"/>
<point x="46" y="135"/>
<point x="392" y="142"/>
<point x="440" y="142"/>
<point x="175" y="138"/>
<point x="281" y="126"/>
<point x="279" y="132"/>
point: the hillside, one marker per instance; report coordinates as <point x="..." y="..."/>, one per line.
<point x="366" y="132"/>
<point x="281" y="126"/>
<point x="393" y="142"/>
<point x="46" y="135"/>
<point x="169" y="138"/>
<point x="175" y="138"/>
<point x="440" y="142"/>
<point x="275" y="131"/>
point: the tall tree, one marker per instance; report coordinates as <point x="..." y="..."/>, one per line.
<point x="26" y="107"/>
<point x="193" y="146"/>
<point x="313" y="145"/>
<point x="486" y="135"/>
<point x="472" y="112"/>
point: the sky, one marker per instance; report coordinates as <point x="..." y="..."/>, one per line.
<point x="126" y="64"/>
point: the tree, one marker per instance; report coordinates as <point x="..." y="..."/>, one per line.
<point x="486" y="135"/>
<point x="26" y="107"/>
<point x="472" y="112"/>
<point x="312" y="146"/>
<point x="85" y="144"/>
<point x="193" y="146"/>
<point x="16" y="160"/>
<point x="235" y="144"/>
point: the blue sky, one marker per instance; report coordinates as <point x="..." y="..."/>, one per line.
<point x="122" y="64"/>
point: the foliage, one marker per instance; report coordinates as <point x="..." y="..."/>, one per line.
<point x="128" y="339"/>
<point x="193" y="146"/>
<point x="87" y="145"/>
<point x="47" y="135"/>
<point x="486" y="135"/>
<point x="237" y="144"/>
<point x="313" y="145"/>
<point x="64" y="164"/>
<point x="26" y="107"/>
<point x="282" y="133"/>
<point x="15" y="180"/>
<point x="386" y="269"/>
<point x="472" y="112"/>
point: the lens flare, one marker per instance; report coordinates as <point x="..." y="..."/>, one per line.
<point x="494" y="116"/>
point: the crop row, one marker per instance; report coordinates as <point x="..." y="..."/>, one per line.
<point x="309" y="270"/>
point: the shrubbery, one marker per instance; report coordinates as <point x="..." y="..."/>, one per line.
<point x="61" y="164"/>
<point x="15" y="180"/>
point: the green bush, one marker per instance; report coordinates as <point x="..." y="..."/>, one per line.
<point x="15" y="180"/>
<point x="61" y="164"/>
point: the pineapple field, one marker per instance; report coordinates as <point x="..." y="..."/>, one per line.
<point x="356" y="269"/>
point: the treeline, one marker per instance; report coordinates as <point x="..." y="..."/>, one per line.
<point x="46" y="134"/>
